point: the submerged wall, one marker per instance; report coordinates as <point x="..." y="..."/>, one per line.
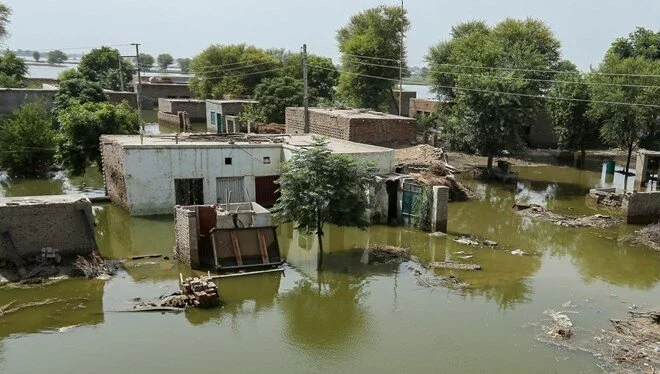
<point x="642" y="207"/>
<point x="62" y="222"/>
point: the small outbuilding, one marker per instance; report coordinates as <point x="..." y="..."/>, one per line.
<point x="222" y="116"/>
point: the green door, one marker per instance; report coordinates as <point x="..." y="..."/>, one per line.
<point x="411" y="192"/>
<point x="218" y="122"/>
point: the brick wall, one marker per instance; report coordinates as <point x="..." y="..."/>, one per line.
<point x="641" y="208"/>
<point x="422" y="106"/>
<point x="14" y="98"/>
<point x="185" y="231"/>
<point x="48" y="221"/>
<point x="112" y="159"/>
<point x="405" y="98"/>
<point x="377" y="131"/>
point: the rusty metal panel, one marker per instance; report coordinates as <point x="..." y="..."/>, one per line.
<point x="233" y="185"/>
<point x="206" y="219"/>
<point x="246" y="247"/>
<point x="266" y="190"/>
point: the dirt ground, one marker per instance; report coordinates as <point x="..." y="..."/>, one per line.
<point x="649" y="236"/>
<point x="423" y="155"/>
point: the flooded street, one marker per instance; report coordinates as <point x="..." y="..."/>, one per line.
<point x="352" y="317"/>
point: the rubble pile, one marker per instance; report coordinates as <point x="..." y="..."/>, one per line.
<point x="195" y="292"/>
<point x="538" y="212"/>
<point x="649" y="236"/>
<point x="606" y="198"/>
<point x="387" y="254"/>
<point x="418" y="156"/>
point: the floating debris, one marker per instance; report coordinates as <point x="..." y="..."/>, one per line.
<point x="562" y="325"/>
<point x="454" y="265"/>
<point x="490" y="243"/>
<point x="429" y="279"/>
<point x="467" y="241"/>
<point x="518" y="252"/>
<point x="387" y="254"/>
<point x="538" y="212"/>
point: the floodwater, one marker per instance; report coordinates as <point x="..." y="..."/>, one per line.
<point x="352" y="317"/>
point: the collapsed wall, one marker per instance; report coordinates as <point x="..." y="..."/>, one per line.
<point x="61" y="222"/>
<point x="642" y="207"/>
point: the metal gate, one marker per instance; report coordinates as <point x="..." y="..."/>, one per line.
<point x="411" y="192"/>
<point x="266" y="190"/>
<point x="231" y="187"/>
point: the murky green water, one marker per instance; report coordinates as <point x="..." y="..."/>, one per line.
<point x="352" y="317"/>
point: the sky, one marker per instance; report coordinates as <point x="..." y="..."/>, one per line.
<point x="585" y="28"/>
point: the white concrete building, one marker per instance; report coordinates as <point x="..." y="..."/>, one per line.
<point x="152" y="175"/>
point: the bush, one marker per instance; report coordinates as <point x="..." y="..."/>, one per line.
<point x="27" y="141"/>
<point x="422" y="210"/>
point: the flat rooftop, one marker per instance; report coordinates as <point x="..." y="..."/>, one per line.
<point x="243" y="101"/>
<point x="356" y="113"/>
<point x="648" y="152"/>
<point x="182" y="100"/>
<point x="210" y="140"/>
<point x="41" y="200"/>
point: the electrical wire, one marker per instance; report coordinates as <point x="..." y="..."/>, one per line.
<point x="504" y="93"/>
<point x="371" y="57"/>
<point x="229" y="64"/>
<point x="549" y="71"/>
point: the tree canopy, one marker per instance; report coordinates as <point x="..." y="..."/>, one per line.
<point x="322" y="75"/>
<point x="184" y="64"/>
<point x="76" y="90"/>
<point x="628" y="74"/>
<point x="319" y="187"/>
<point x="12" y="70"/>
<point x="5" y="12"/>
<point x="146" y="61"/>
<point x="376" y="34"/>
<point x="164" y="60"/>
<point x="83" y="125"/>
<point x="36" y="56"/>
<point x="490" y="104"/>
<point x="57" y="57"/>
<point x="275" y="94"/>
<point x="230" y="70"/>
<point x="101" y="65"/>
<point x="27" y="141"/>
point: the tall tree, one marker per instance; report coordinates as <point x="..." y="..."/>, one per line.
<point x="319" y="187"/>
<point x="146" y="61"/>
<point x="76" y="90"/>
<point x="375" y="34"/>
<point x="12" y="70"/>
<point x="83" y="124"/>
<point x="222" y="70"/>
<point x="164" y="60"/>
<point x="275" y="94"/>
<point x="57" y="57"/>
<point x="36" y="56"/>
<point x="629" y="74"/>
<point x="184" y="64"/>
<point x="102" y="65"/>
<point x="491" y="104"/>
<point x="322" y="75"/>
<point x="27" y="141"/>
<point x="575" y="130"/>
<point x="5" y="12"/>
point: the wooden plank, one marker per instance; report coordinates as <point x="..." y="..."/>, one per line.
<point x="222" y="268"/>
<point x="236" y="248"/>
<point x="278" y="270"/>
<point x="262" y="246"/>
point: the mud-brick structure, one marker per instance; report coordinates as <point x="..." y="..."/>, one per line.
<point x="61" y="222"/>
<point x="355" y="125"/>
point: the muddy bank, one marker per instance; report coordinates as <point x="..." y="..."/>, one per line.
<point x="539" y="213"/>
<point x="648" y="236"/>
<point x="36" y="271"/>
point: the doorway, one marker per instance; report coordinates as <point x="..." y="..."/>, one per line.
<point x="189" y="191"/>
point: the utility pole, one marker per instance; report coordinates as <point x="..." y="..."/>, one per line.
<point x="121" y="75"/>
<point x="306" y="89"/>
<point x="139" y="85"/>
<point x="401" y="60"/>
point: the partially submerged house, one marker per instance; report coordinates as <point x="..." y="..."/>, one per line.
<point x="355" y="125"/>
<point x="151" y="175"/>
<point x="222" y="116"/>
<point x="226" y="236"/>
<point x="168" y="110"/>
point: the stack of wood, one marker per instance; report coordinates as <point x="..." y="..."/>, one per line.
<point x="199" y="293"/>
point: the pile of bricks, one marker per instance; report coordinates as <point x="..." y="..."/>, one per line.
<point x="50" y="256"/>
<point x="200" y="293"/>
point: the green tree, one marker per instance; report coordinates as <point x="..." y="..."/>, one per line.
<point x="146" y="61"/>
<point x="184" y="64"/>
<point x="375" y="33"/>
<point x="490" y="106"/>
<point x="12" y="70"/>
<point x="165" y="60"/>
<point x="83" y="125"/>
<point x="222" y="70"/>
<point x="57" y="57"/>
<point x="275" y="94"/>
<point x="319" y="187"/>
<point x="574" y="129"/>
<point x="102" y="65"/>
<point x="322" y="75"/>
<point x="5" y="12"/>
<point x="76" y="91"/>
<point x="27" y="141"/>
<point x="36" y="56"/>
<point x="625" y="126"/>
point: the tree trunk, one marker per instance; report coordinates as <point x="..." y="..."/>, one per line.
<point x="394" y="100"/>
<point x="583" y="158"/>
<point x="625" y="179"/>
<point x="319" y="235"/>
<point x="489" y="166"/>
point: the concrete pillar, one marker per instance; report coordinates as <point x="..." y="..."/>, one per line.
<point x="641" y="165"/>
<point x="439" y="212"/>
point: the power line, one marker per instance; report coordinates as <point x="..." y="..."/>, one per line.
<point x="504" y="93"/>
<point x="370" y="64"/>
<point x="229" y="64"/>
<point x="548" y="71"/>
<point x="80" y="48"/>
<point x="240" y="75"/>
<point x="371" y="57"/>
<point x="237" y="68"/>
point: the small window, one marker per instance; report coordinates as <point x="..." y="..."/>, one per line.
<point x="213" y="118"/>
<point x="266" y="160"/>
<point x="227" y="160"/>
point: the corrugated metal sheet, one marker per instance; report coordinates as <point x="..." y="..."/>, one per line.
<point x="233" y="185"/>
<point x="266" y="190"/>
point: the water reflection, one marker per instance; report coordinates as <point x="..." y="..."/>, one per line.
<point x="57" y="183"/>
